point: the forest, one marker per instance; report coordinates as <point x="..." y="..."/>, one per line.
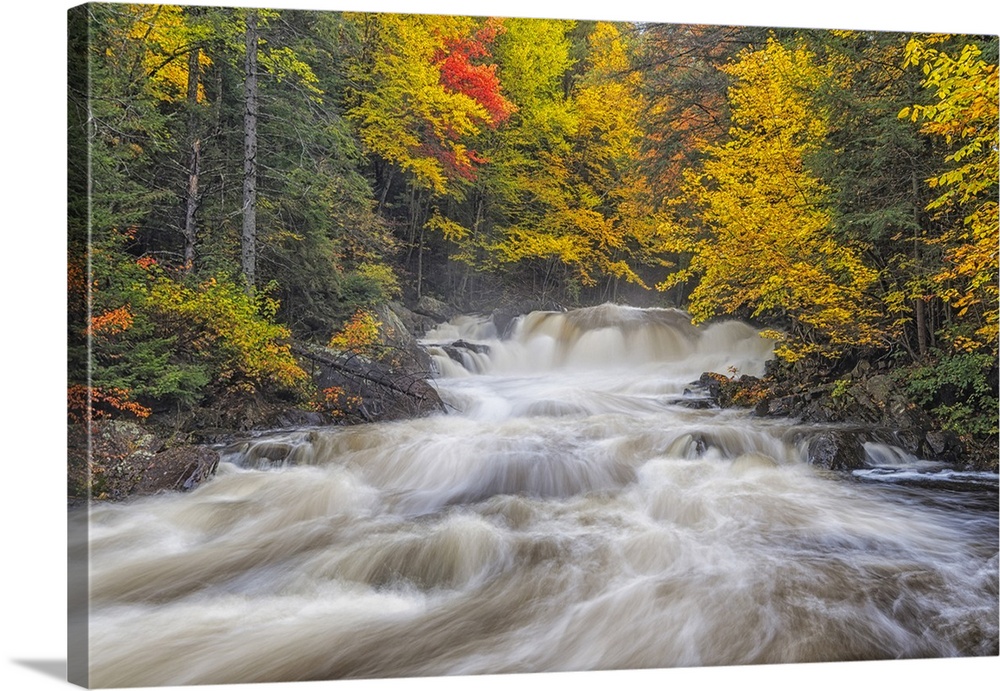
<point x="245" y="180"/>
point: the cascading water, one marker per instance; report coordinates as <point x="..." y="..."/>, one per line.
<point x="575" y="510"/>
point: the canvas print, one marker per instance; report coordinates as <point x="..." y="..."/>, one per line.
<point x="407" y="345"/>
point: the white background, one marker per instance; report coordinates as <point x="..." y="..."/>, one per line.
<point x="32" y="309"/>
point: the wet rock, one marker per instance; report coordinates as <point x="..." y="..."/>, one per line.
<point x="454" y="350"/>
<point x="402" y="350"/>
<point x="818" y="411"/>
<point x="435" y="309"/>
<point x="296" y="417"/>
<point x="480" y="348"/>
<point x="413" y="323"/>
<point x="836" y="450"/>
<point x="694" y="403"/>
<point x="784" y="406"/>
<point x="711" y="383"/>
<point x="942" y="445"/>
<point x="178" y="469"/>
<point x="910" y="440"/>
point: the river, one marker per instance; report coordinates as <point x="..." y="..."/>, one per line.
<point x="578" y="508"/>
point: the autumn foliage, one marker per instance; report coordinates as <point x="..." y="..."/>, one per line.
<point x="837" y="188"/>
<point x="964" y="114"/>
<point x="360" y="334"/>
<point x="477" y="80"/>
<point x="764" y="240"/>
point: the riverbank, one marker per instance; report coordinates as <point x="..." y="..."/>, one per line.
<point x="868" y="400"/>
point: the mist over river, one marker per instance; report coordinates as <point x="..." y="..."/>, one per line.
<point x="577" y="508"/>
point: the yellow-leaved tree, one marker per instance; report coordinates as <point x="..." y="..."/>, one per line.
<point x="964" y="114"/>
<point x="754" y="223"/>
<point x="589" y="208"/>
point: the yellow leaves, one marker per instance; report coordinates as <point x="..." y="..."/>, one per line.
<point x="761" y="237"/>
<point x="587" y="202"/>
<point x="964" y="114"/>
<point x="451" y="230"/>
<point x="229" y="325"/>
<point x="382" y="276"/>
<point x="167" y="38"/>
<point x="405" y="114"/>
<point x="283" y="63"/>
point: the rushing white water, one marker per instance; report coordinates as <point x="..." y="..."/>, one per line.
<point x="574" y="511"/>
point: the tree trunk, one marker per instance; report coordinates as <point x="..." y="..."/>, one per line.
<point x="248" y="250"/>
<point x="194" y="160"/>
<point x="466" y="269"/>
<point x="920" y="319"/>
<point x="420" y="263"/>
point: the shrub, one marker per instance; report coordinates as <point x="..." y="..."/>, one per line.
<point x="960" y="390"/>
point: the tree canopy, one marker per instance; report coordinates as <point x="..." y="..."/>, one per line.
<point x="838" y="188"/>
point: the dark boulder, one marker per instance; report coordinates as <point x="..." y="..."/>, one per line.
<point x="784" y="406"/>
<point x="942" y="445"/>
<point x="456" y="349"/>
<point x="836" y="450"/>
<point x="411" y="322"/>
<point x="120" y="452"/>
<point x="400" y="349"/>
<point x="711" y="384"/>
<point x="480" y="348"/>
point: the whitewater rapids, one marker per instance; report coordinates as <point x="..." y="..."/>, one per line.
<point x="575" y="510"/>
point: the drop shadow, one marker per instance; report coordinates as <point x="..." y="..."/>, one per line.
<point x="50" y="668"/>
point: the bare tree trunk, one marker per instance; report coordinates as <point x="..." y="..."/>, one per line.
<point x="248" y="249"/>
<point x="466" y="269"/>
<point x="420" y="262"/>
<point x="194" y="160"/>
<point x="920" y="319"/>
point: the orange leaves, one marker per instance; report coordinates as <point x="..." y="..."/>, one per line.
<point x="359" y="335"/>
<point x="338" y="402"/>
<point x="86" y="403"/>
<point x="112" y="322"/>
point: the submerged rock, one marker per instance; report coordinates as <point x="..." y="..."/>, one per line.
<point x="504" y="317"/>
